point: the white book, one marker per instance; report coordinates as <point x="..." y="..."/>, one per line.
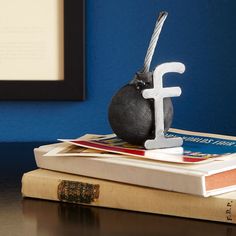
<point x="206" y="179"/>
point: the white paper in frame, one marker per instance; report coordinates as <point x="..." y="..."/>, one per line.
<point x="42" y="49"/>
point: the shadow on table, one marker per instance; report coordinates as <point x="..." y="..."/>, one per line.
<point x="54" y="218"/>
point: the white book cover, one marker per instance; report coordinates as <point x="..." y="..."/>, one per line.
<point x="216" y="176"/>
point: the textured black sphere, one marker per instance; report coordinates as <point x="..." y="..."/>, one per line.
<point x="132" y="117"/>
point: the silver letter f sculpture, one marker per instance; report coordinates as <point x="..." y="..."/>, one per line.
<point x="158" y="93"/>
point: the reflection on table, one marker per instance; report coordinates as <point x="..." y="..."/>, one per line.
<point x="54" y="218"/>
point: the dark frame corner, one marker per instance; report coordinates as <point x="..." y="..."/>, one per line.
<point x="73" y="85"/>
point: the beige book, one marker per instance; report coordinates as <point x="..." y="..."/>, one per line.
<point x="51" y="185"/>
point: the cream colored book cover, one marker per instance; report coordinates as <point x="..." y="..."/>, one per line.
<point x="58" y="186"/>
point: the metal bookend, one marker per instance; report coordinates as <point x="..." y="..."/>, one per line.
<point x="158" y="93"/>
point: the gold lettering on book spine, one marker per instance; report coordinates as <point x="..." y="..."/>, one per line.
<point x="77" y="192"/>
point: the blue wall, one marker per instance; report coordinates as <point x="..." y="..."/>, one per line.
<point x="199" y="33"/>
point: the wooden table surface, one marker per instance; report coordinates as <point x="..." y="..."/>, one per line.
<point x="32" y="217"/>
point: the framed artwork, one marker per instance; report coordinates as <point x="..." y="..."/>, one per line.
<point x="42" y="50"/>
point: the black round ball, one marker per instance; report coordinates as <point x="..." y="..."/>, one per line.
<point x="132" y="117"/>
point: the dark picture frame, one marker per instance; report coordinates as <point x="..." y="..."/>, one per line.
<point x="73" y="85"/>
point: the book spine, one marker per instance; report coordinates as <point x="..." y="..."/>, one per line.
<point x="95" y="192"/>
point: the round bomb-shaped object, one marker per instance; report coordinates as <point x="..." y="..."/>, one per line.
<point x="142" y="111"/>
<point x="131" y="116"/>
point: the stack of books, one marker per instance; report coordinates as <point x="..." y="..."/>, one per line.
<point x="196" y="181"/>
